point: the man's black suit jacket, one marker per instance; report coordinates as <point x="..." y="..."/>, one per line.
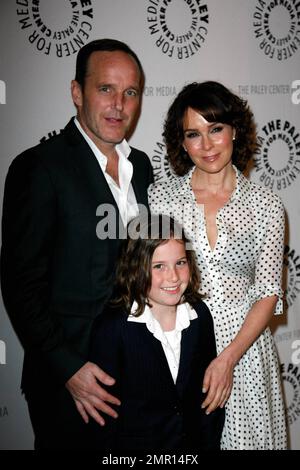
<point x="55" y="273"/>
<point x="155" y="414"/>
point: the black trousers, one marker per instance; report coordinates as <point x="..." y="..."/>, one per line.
<point x="57" y="425"/>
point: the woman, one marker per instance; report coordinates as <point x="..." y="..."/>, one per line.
<point x="237" y="230"/>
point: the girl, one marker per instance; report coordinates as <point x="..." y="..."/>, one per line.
<point x="157" y="339"/>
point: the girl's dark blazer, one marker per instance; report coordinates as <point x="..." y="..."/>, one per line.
<point x="155" y="413"/>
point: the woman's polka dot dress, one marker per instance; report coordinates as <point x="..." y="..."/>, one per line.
<point x="245" y="266"/>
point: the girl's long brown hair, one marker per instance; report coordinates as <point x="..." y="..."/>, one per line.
<point x="133" y="275"/>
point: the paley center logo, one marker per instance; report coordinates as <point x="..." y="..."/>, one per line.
<point x="55" y="27"/>
<point x="160" y="164"/>
<point x="50" y="135"/>
<point x="276" y="27"/>
<point x="291" y="262"/>
<point x="278" y="159"/>
<point x="179" y="27"/>
<point x="290" y="373"/>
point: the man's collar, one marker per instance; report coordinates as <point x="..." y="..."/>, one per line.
<point x="123" y="149"/>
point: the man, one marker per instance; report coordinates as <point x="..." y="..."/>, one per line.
<point x="56" y="273"/>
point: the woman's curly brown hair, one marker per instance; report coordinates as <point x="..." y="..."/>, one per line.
<point x="216" y="104"/>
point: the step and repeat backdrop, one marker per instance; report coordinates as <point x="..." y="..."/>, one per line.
<point x="252" y="46"/>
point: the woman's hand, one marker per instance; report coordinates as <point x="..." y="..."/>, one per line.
<point x="218" y="381"/>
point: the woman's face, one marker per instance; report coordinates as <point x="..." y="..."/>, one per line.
<point x="209" y="144"/>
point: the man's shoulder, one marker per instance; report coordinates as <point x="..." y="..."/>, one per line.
<point x="49" y="150"/>
<point x="138" y="157"/>
<point x="135" y="151"/>
<point x="142" y="168"/>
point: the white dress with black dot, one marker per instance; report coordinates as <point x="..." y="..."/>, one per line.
<point x="245" y="266"/>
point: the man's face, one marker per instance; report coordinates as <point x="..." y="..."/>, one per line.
<point x="109" y="101"/>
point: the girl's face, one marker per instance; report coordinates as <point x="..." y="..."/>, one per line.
<point x="170" y="274"/>
<point x="209" y="144"/>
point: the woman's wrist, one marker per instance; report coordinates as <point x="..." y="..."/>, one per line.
<point x="231" y="355"/>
